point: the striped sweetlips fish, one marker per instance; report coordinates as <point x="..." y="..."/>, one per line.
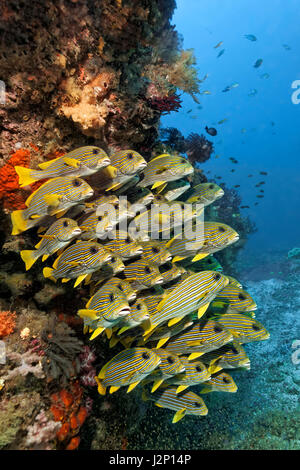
<point x="123" y="286"/>
<point x="105" y="309"/>
<point x="129" y="367"/>
<point x="193" y="294"/>
<point x="175" y="189"/>
<point x="171" y="271"/>
<point x="124" y="166"/>
<point x="194" y="373"/>
<point x="243" y="328"/>
<point x="238" y="299"/>
<point x="80" y="162"/>
<point x="164" y="333"/>
<point x="140" y="198"/>
<point x="204" y="193"/>
<point x="52" y="198"/>
<point x="78" y="261"/>
<point x="164" y="168"/>
<point x="185" y="403"/>
<point x="142" y="274"/>
<point x="200" y="338"/>
<point x="155" y="253"/>
<point x="214" y="237"/>
<point x="124" y="245"/>
<point x="229" y="356"/>
<point x="108" y="270"/>
<point x="220" y="382"/>
<point x="138" y="314"/>
<point x="59" y="234"/>
<point x="170" y="366"/>
<point x="234" y="282"/>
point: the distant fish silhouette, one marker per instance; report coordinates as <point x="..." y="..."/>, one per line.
<point x="250" y="37"/>
<point x="211" y="131"/>
<point x="258" y="63"/>
<point x="263" y="173"/>
<point x="220" y="53"/>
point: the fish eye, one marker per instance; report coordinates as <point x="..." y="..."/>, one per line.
<point x="255" y="327"/>
<point x="211" y="186"/>
<point x="95" y="151"/>
<point x="77" y="182"/>
<point x="217" y="277"/>
<point x="113" y="259"/>
<point x="226" y="380"/>
<point x="111" y="297"/>
<point x="127" y="240"/>
<point x="120" y="287"/>
<point x="197" y="404"/>
<point x="242" y="297"/>
<point x="93" y="250"/>
<point x="129" y="156"/>
<point x="170" y="360"/>
<point x="100" y="217"/>
<point x="221" y="229"/>
<point x="138" y="306"/>
<point x="217" y="329"/>
<point x="198" y="369"/>
<point x="234" y="350"/>
<point x="66" y="223"/>
<point x="147" y="270"/>
<point x="155" y="249"/>
<point x="145" y="355"/>
<point x="116" y="205"/>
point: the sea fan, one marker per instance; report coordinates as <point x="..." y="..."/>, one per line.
<point x="198" y="148"/>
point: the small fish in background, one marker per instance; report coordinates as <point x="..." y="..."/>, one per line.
<point x="252" y="92"/>
<point x="286" y="47"/>
<point x="245" y="207"/>
<point x="259" y="195"/>
<point x="222" y="121"/>
<point x="256" y="203"/>
<point x="250" y="176"/>
<point x="233" y="160"/>
<point x="230" y="87"/>
<point x="205" y="92"/>
<point x="221" y="53"/>
<point x="261" y="191"/>
<point x="272" y="123"/>
<point x="211" y="131"/>
<point x="232" y="171"/>
<point x="258" y="63"/>
<point x="217" y="156"/>
<point x="262" y="182"/>
<point x="237" y="186"/>
<point x="265" y="76"/>
<point x="199" y="107"/>
<point x="218" y="45"/>
<point x="250" y="37"/>
<point x="243" y="131"/>
<point x="189" y="111"/>
<point x="263" y="173"/>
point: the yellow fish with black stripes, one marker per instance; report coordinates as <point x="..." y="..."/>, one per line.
<point x="80" y="162"/>
<point x="57" y="237"/>
<point x="52" y="198"/>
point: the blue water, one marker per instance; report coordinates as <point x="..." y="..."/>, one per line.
<point x="263" y="147"/>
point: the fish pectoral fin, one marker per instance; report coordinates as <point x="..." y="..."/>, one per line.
<point x="71" y="162"/>
<point x="156" y="385"/>
<point x="199" y="256"/>
<point x="132" y="386"/>
<point x="158" y="183"/>
<point x="179" y="415"/>
<point x="206" y="390"/>
<point x="125" y="328"/>
<point x="181" y="388"/>
<point x="175" y="320"/>
<point x="108" y="332"/>
<point x="80" y="279"/>
<point x="161" y="342"/>
<point x="152" y="327"/>
<point x="161" y="188"/>
<point x="177" y="258"/>
<point x="113" y="389"/>
<point x="212" y="369"/>
<point x="97" y="332"/>
<point x="87" y="313"/>
<point x="52" y="200"/>
<point x="113" y="341"/>
<point x="202" y="310"/>
<point x="61" y="213"/>
<point x="65" y="279"/>
<point x="193" y="356"/>
<point x="44" y="257"/>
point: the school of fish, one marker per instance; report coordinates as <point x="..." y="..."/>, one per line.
<point x="177" y="320"/>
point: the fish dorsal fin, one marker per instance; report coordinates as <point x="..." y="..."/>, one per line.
<point x="161" y="188"/>
<point x="175" y="320"/>
<point x="152" y="327"/>
<point x="179" y="415"/>
<point x="37" y="246"/>
<point x="202" y="310"/>
<point x="162" y="302"/>
<point x="156" y="384"/>
<point x="56" y="261"/>
<point x="132" y="386"/>
<point x="71" y="162"/>
<point x="45" y="165"/>
<point x="159" y="156"/>
<point x="113" y="389"/>
<point x="199" y="256"/>
<point x="178" y="258"/>
<point x="97" y="332"/>
<point x="181" y="388"/>
<point x="89" y="302"/>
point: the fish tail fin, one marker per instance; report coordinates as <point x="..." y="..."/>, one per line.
<point x="48" y="273"/>
<point x="25" y="176"/>
<point x="19" y="222"/>
<point x="29" y="257"/>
